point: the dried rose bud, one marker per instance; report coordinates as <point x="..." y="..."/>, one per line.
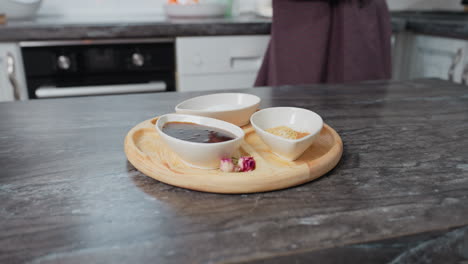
<point x="246" y="164"/>
<point x="226" y="165"/>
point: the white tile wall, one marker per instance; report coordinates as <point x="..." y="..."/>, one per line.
<point x="96" y="7"/>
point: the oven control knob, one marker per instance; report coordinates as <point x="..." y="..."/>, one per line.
<point x="63" y="62"/>
<point x="138" y="59"/>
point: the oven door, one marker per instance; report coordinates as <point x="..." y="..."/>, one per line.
<point x="98" y="67"/>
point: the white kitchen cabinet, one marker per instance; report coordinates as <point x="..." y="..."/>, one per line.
<point x="12" y="81"/>
<point x="436" y="57"/>
<point x="219" y="62"/>
<point x="401" y="51"/>
<point x="464" y="66"/>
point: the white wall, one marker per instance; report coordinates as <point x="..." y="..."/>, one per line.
<point x="96" y="7"/>
<point x="93" y="7"/>
<point x="425" y="4"/>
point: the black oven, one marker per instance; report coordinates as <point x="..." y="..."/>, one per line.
<point x="98" y="67"/>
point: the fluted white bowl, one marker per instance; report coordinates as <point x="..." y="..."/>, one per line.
<point x="235" y="108"/>
<point x="299" y="119"/>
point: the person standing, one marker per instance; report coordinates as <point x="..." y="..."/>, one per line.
<point x="327" y="41"/>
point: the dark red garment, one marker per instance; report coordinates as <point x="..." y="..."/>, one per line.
<point x="314" y="41"/>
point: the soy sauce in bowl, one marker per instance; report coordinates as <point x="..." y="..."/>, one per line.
<point x="196" y="133"/>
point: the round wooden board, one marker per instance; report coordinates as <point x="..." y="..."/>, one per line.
<point x="149" y="154"/>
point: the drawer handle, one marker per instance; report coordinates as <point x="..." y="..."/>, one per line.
<point x="246" y="62"/>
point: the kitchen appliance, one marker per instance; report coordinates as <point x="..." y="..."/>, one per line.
<point x="19" y="9"/>
<point x="98" y="67"/>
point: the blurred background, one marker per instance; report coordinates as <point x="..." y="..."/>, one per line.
<point x="61" y="48"/>
<point x="90" y="7"/>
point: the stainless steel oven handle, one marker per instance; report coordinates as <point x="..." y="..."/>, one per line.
<point x="52" y="92"/>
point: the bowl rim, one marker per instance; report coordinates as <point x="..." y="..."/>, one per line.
<point x="234" y="127"/>
<point x="282" y="138"/>
<point x="258" y="100"/>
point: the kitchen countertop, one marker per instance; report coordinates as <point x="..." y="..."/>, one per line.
<point x="399" y="193"/>
<point x="144" y="26"/>
<point x="439" y="23"/>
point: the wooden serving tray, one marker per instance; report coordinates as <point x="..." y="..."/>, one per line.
<point x="151" y="156"/>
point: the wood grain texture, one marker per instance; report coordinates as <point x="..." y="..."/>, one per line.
<point x="146" y="151"/>
<point x="68" y="194"/>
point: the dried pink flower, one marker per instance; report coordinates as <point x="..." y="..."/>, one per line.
<point x="226" y="165"/>
<point x="246" y="164"/>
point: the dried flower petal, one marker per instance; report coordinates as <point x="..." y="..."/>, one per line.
<point x="246" y="164"/>
<point x="226" y="165"/>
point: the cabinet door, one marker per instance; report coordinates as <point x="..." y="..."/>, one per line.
<point x="224" y="54"/>
<point x="12" y="81"/>
<point x="221" y="62"/>
<point x="437" y="58"/>
<point x="464" y="72"/>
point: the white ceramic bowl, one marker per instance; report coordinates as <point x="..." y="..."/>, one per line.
<point x="201" y="10"/>
<point x="235" y="108"/>
<point x="301" y="120"/>
<point x="19" y="9"/>
<point x="201" y="155"/>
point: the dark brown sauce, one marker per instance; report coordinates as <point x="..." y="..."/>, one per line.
<point x="196" y="133"/>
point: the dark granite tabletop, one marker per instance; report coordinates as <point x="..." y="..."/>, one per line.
<point x="439" y="23"/>
<point x="144" y="26"/>
<point x="399" y="194"/>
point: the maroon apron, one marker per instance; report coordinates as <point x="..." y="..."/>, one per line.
<point x="316" y="42"/>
